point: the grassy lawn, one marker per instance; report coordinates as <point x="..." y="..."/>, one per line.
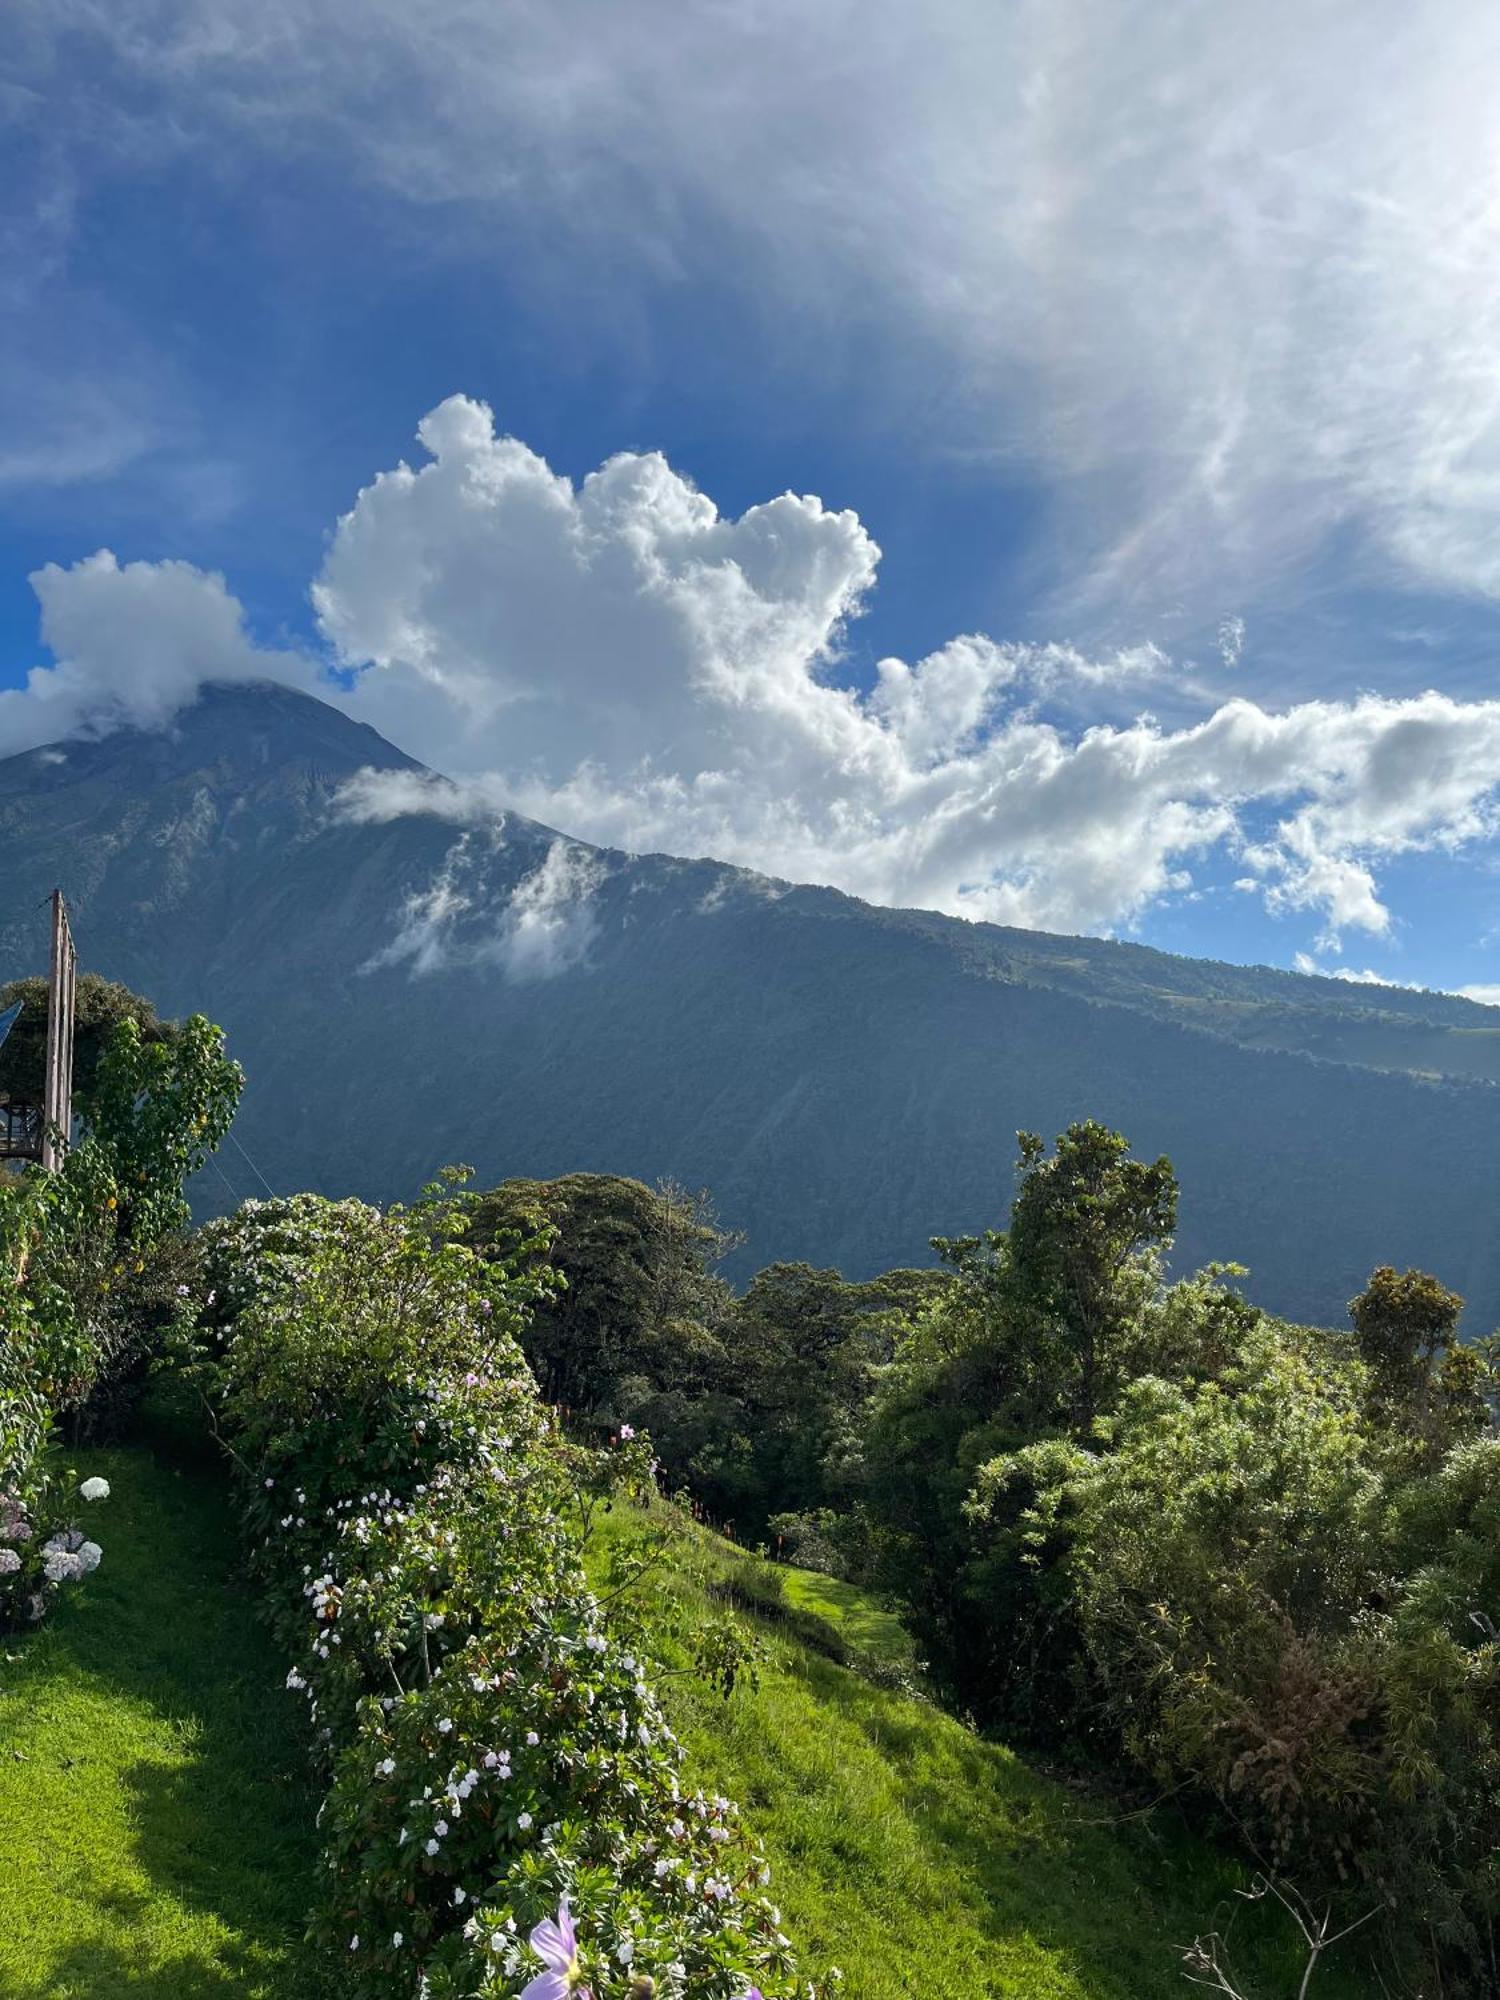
<point x="154" y="1822"/>
<point x="919" y="1858"/>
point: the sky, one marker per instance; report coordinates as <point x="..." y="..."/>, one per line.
<point x="1035" y="461"/>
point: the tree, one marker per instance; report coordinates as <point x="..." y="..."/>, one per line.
<point x="99" y="1008"/>
<point x="1424" y="1381"/>
<point x="805" y="1349"/>
<point x="1087" y="1233"/>
<point x="640" y="1297"/>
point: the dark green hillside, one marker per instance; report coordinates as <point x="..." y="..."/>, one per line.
<point x="845" y="1079"/>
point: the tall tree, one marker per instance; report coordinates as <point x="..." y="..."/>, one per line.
<point x="1087" y="1234"/>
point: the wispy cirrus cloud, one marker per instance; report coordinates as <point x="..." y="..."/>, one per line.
<point x="1228" y="283"/>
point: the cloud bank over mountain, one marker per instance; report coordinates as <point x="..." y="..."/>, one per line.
<point x="620" y="660"/>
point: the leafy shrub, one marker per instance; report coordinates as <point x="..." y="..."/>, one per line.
<point x="490" y="1750"/>
<point x="90" y="1268"/>
<point x="1278" y="1611"/>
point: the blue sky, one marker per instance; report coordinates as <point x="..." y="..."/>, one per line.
<point x="1155" y="350"/>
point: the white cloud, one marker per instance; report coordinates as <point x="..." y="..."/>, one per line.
<point x="1487" y="996"/>
<point x="622" y="661"/>
<point x="473" y="912"/>
<point x="1231" y="640"/>
<point x="1229" y="277"/>
<point x="550" y="921"/>
<point x="1304" y="962"/>
<point x="131" y="644"/>
<point x="619" y="660"/>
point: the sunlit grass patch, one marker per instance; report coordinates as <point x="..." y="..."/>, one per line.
<point x="155" y="1824"/>
<point x="920" y="1858"/>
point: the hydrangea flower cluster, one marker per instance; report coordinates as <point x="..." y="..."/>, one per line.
<point x="34" y="1564"/>
<point x="502" y="1781"/>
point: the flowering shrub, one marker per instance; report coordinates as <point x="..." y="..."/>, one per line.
<point x="42" y="1547"/>
<point x="80" y="1278"/>
<point x="502" y="1783"/>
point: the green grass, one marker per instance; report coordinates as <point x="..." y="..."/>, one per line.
<point x="156" y="1838"/>
<point x="862" y="1624"/>
<point x="155" y="1823"/>
<point x="918" y="1857"/>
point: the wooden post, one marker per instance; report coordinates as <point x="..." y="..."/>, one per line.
<point x="62" y="978"/>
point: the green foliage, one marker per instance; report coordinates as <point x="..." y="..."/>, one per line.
<point x="640" y="1299"/>
<point x="100" y="1005"/>
<point x="1424" y="1382"/>
<point x="489" y="1748"/>
<point x="755" y="1404"/>
<point x="90" y="1269"/>
<point x="1217" y="1554"/>
<point x="920" y="1858"/>
<point x="1147" y="1524"/>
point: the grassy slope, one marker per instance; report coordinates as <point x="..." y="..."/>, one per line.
<point x="919" y="1858"/>
<point x="864" y="1626"/>
<point x="158" y="1842"/>
<point x="154" y="1823"/>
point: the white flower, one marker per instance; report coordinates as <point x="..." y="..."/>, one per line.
<point x="432" y="1847"/>
<point x="396" y="1939"/>
<point x="10" y="1562"/>
<point x="625" y="1952"/>
<point x="95" y="1489"/>
<point x="387" y="1767"/>
<point x="90" y="1556"/>
<point x="524" y="1821"/>
<point x="532" y="1737"/>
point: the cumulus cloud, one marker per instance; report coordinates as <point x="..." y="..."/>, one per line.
<point x="619" y="660"/>
<point x="1229" y="277"/>
<point x="131" y="643"/>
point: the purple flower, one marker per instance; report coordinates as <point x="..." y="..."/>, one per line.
<point x="627" y="1432"/>
<point x="557" y="1943"/>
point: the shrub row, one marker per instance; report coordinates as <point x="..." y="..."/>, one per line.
<point x="490" y="1752"/>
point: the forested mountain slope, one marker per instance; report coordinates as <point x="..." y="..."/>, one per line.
<point x="409" y="990"/>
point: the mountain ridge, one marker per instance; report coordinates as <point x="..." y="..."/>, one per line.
<point x="846" y="1078"/>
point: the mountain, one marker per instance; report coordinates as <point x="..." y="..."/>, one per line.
<point x="407" y="991"/>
